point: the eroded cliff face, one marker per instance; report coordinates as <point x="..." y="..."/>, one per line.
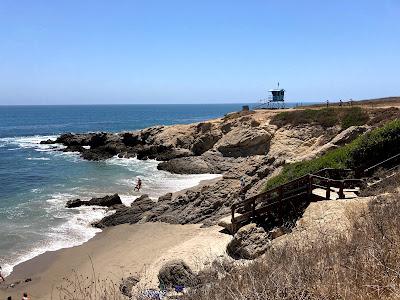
<point x="239" y="145"/>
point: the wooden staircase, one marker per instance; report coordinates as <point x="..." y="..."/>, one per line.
<point x="326" y="184"/>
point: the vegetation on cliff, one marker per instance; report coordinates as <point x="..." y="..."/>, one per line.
<point x="326" y="117"/>
<point x="362" y="263"/>
<point x="364" y="151"/>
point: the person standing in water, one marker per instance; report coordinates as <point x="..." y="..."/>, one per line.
<point x="138" y="185"/>
<point x="1" y="276"/>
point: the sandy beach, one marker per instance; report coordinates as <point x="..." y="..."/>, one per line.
<point x="117" y="252"/>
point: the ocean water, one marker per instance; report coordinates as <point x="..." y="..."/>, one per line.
<point x="36" y="180"/>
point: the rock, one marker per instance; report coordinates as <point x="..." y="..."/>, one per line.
<point x="127" y="284"/>
<point x="131" y="139"/>
<point x="128" y="215"/>
<point x="48" y="142"/>
<point x="249" y="242"/>
<point x="186" y="165"/>
<point x="70" y="139"/>
<point x="277" y="232"/>
<point x="348" y="135"/>
<point x="74" y="148"/>
<point x="175" y="272"/>
<point x="241" y="142"/>
<point x="205" y="143"/>
<point x="74" y="203"/>
<point x="98" y="139"/>
<point x="107" y="201"/>
<point x="165" y="198"/>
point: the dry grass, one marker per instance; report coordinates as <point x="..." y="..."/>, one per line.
<point x="362" y="265"/>
<point x="79" y="287"/>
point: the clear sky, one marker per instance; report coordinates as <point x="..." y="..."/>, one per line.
<point x="167" y="51"/>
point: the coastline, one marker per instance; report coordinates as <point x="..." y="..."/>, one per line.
<point x="48" y="270"/>
<point x="151" y="245"/>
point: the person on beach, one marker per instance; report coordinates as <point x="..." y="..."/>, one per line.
<point x="1" y="276"/>
<point x="138" y="185"/>
<point x="25" y="297"/>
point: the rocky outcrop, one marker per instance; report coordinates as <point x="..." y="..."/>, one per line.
<point x="240" y="145"/>
<point x="348" y="135"/>
<point x="249" y="242"/>
<point x="127" y="284"/>
<point x="176" y="272"/>
<point x="128" y="215"/>
<point x="242" y="142"/>
<point x="107" y="201"/>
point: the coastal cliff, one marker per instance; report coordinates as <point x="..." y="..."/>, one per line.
<point x="252" y="145"/>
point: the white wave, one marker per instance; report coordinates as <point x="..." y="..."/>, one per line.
<point x="33" y="142"/>
<point x="75" y="231"/>
<point x="38" y="158"/>
<point x="155" y="182"/>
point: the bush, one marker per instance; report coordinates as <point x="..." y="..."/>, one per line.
<point x="363" y="152"/>
<point x="326" y="117"/>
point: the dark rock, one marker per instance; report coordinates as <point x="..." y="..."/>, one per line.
<point x="186" y="165"/>
<point x="74" y="148"/>
<point x="175" y="272"/>
<point x="127" y="284"/>
<point x="74" y="203"/>
<point x="165" y="198"/>
<point x="131" y="139"/>
<point x="48" y="142"/>
<point x="128" y="215"/>
<point x="107" y="201"/>
<point x="70" y="139"/>
<point x="249" y="242"/>
<point x="98" y="139"/>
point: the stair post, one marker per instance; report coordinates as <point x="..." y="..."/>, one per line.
<point x="328" y="190"/>
<point x="341" y="193"/>
<point x="309" y="190"/>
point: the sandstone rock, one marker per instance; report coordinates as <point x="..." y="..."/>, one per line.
<point x="249" y="242"/>
<point x="127" y="284"/>
<point x="175" y="272"/>
<point x="348" y="135"/>
<point x="244" y="142"/>
<point x="103" y="201"/>
<point x="205" y="143"/>
<point x="277" y="232"/>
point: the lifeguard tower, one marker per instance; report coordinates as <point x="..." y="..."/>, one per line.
<point x="274" y="101"/>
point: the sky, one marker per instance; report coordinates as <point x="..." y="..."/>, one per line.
<point x="217" y="51"/>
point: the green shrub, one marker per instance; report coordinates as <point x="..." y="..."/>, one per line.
<point x="363" y="152"/>
<point x="354" y="116"/>
<point x="326" y="117"/>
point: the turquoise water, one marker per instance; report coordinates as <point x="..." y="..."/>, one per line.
<point x="36" y="181"/>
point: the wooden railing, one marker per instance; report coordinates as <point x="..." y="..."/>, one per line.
<point x="391" y="162"/>
<point x="273" y="200"/>
<point x="301" y="188"/>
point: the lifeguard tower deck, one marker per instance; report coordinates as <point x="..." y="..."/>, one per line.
<point x="274" y="101"/>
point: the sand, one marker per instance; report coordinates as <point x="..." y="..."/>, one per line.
<point x="117" y="252"/>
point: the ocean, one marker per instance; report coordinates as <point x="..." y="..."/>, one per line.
<point x="36" y="180"/>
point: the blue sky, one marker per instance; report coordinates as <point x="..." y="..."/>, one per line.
<point x="83" y="52"/>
